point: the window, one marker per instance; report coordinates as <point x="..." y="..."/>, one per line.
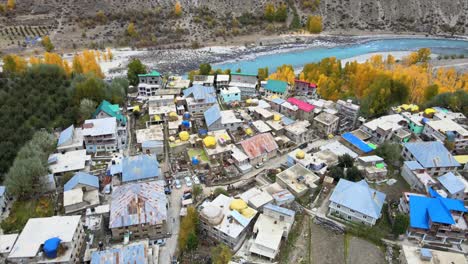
<point x="349" y="217"/>
<point x="364" y="216"/>
<point x="338" y="206"/>
<point x="352" y="211"/>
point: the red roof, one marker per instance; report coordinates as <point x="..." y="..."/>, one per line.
<point x="258" y="145"/>
<point x="304" y="106"/>
<point x="311" y="85"/>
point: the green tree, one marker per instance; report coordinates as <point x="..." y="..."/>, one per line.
<point x="196" y="191"/>
<point x="131" y="31"/>
<point x="134" y="68"/>
<point x="430" y="92"/>
<point x="221" y="254"/>
<point x="390" y="152"/>
<point x="87" y="108"/>
<point x="336" y="172"/>
<point x="204" y="69"/>
<point x="262" y="73"/>
<point x="400" y="224"/>
<point x="281" y="13"/>
<point x="270" y="12"/>
<point x="89" y="87"/>
<point x="47" y="44"/>
<point x="192" y="241"/>
<point x="117" y="90"/>
<point x="345" y="161"/>
<point x="239" y="70"/>
<point x="295" y="22"/>
<point x="353" y="174"/>
<point x="220" y="190"/>
<point x="187" y="239"/>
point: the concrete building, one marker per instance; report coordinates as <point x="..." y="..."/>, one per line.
<point x="247" y="84"/>
<point x="260" y="126"/>
<point x="226" y="220"/>
<point x="71" y="161"/>
<point x="299" y="132"/>
<point x="139" y="209"/>
<point x="381" y="129"/>
<point x="416" y="176"/>
<point x="222" y="120"/>
<point x="307" y="160"/>
<point x="373" y="167"/>
<point x="80" y="192"/>
<point x="415" y="122"/>
<point x="260" y="148"/>
<point x="222" y="81"/>
<point x="149" y="84"/>
<point x="230" y="94"/>
<point x="276" y="87"/>
<point x="151" y="140"/>
<point x="305" y="111"/>
<point x="70" y="139"/>
<point x="454" y="185"/>
<point x="160" y="106"/>
<point x="416" y="255"/>
<point x="432" y="156"/>
<point x="256" y="198"/>
<point x="339" y="149"/>
<point x="348" y="114"/>
<point x="241" y="160"/>
<point x="326" y="124"/>
<point x="437" y="219"/>
<point x="29" y="247"/>
<point x="177" y="83"/>
<point x="204" y="80"/>
<point x="297" y="179"/>
<point x="270" y="229"/>
<point x="141" y="167"/>
<point x="100" y="135"/>
<point x="199" y="98"/>
<point x="6" y="244"/>
<point x="447" y="130"/>
<point x="106" y="110"/>
<point x="306" y="89"/>
<point x="357" y="202"/>
<point x="217" y="145"/>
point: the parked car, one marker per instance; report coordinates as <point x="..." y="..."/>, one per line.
<point x="202" y="178"/>
<point x="160" y="242"/>
<point x="195" y="179"/>
<point x="187" y="196"/>
<point x="177" y="183"/>
<point x="188" y="181"/>
<point x="259" y="165"/>
<point x="167" y="190"/>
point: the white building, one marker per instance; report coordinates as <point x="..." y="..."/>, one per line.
<point x="199" y="98"/>
<point x="151" y="140"/>
<point x="357" y="202"/>
<point x="299" y="132"/>
<point x="100" y="135"/>
<point x="161" y="105"/>
<point x="222" y="80"/>
<point x="450" y="131"/>
<point x="326" y="124"/>
<point x="6" y="244"/>
<point x="381" y="129"/>
<point x="271" y="227"/>
<point x="28" y="246"/>
<point x="256" y="198"/>
<point x="219" y="120"/>
<point x="348" y="113"/>
<point x="70" y="139"/>
<point x="72" y="161"/>
<point x="454" y="185"/>
<point x="205" y="80"/>
<point x="247" y="84"/>
<point x="297" y="180"/>
<point x="416" y="176"/>
<point x="149" y="84"/>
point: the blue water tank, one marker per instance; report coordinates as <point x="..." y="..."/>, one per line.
<point x="51" y="246"/>
<point x="186" y="123"/>
<point x="195" y="161"/>
<point x="186" y="115"/>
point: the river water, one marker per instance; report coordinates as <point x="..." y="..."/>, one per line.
<point x="297" y="58"/>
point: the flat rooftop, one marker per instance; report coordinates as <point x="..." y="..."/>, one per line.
<point x="446" y="125"/>
<point x="413" y="255"/>
<point x="69" y="161"/>
<point x="388" y="122"/>
<point x="229" y="117"/>
<point x="99" y="127"/>
<point x="291" y="176"/>
<point x="261" y="126"/>
<point x="298" y="127"/>
<point x="154" y="132"/>
<point x="326" y="118"/>
<point x="339" y="149"/>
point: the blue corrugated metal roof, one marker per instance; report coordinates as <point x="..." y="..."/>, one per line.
<point x="358" y="197"/>
<point x="240" y="218"/>
<point x="451" y="183"/>
<point x="287" y="121"/>
<point x="212" y="114"/>
<point x="152" y="144"/>
<point x="66" y="135"/>
<point x="278" y="101"/>
<point x="140" y="167"/>
<point x="115" y="169"/>
<point x="81" y="178"/>
<point x="436" y="209"/>
<point x="279" y="209"/>
<point x="276" y="86"/>
<point x="357" y="142"/>
<point x="199" y="92"/>
<point x="135" y="254"/>
<point x="413" y="165"/>
<point x="431" y="154"/>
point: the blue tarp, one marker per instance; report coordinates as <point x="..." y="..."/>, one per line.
<point x="186" y="123"/>
<point x="51" y="246"/>
<point x="357" y="142"/>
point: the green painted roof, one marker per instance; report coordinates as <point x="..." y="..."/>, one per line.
<point x="380" y="165"/>
<point x="372" y="146"/>
<point x="112" y="110"/>
<point x="151" y="74"/>
<point x="276" y="86"/>
<point x="245" y="74"/>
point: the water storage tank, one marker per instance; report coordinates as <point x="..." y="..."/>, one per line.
<point x="51" y="246"/>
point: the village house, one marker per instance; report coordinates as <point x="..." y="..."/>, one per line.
<point x="256" y="198"/>
<point x="381" y="129"/>
<point x="260" y="126"/>
<point x="149" y="84"/>
<point x="222" y="81"/>
<point x="276" y="87"/>
<point x="305" y="111"/>
<point x="348" y="114"/>
<point x="204" y="80"/>
<point x="299" y="132"/>
<point x="142" y="167"/>
<point x="326" y="124"/>
<point x="415" y="122"/>
<point x="151" y="140"/>
<point x="416" y="176"/>
<point x="106" y="110"/>
<point x="304" y="88"/>
<point x="247" y="84"/>
<point x="307" y="160"/>
<point x="454" y="185"/>
<point x="139" y="252"/>
<point x="219" y="120"/>
<point x="437" y="219"/>
<point x="240" y="160"/>
<point x="339" y="149"/>
<point x="226" y="220"/>
<point x="356" y="144"/>
<point x="260" y="148"/>
<point x="80" y="192"/>
<point x="138" y="209"/>
<point x="6" y="244"/>
<point x="71" y="161"/>
<point x="56" y="239"/>
<point x="217" y="145"/>
<point x="260" y="113"/>
<point x="357" y="202"/>
<point x="160" y="106"/>
<point x="297" y="179"/>
<point x="373" y="167"/>
<point x="199" y="98"/>
<point x="177" y="83"/>
<point x="270" y="229"/>
<point x="70" y="139"/>
<point x="447" y="130"/>
<point x="230" y="94"/>
<point x="101" y="135"/>
<point x="432" y="156"/>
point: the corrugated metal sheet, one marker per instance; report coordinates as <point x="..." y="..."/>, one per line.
<point x="140" y="167"/>
<point x="258" y="145"/>
<point x="431" y="154"/>
<point x="138" y="203"/>
<point x="451" y="183"/>
<point x="212" y="115"/>
<point x="82" y="178"/>
<point x="131" y="254"/>
<point x="66" y="135"/>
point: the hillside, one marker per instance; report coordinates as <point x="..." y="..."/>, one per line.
<point x="89" y="23"/>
